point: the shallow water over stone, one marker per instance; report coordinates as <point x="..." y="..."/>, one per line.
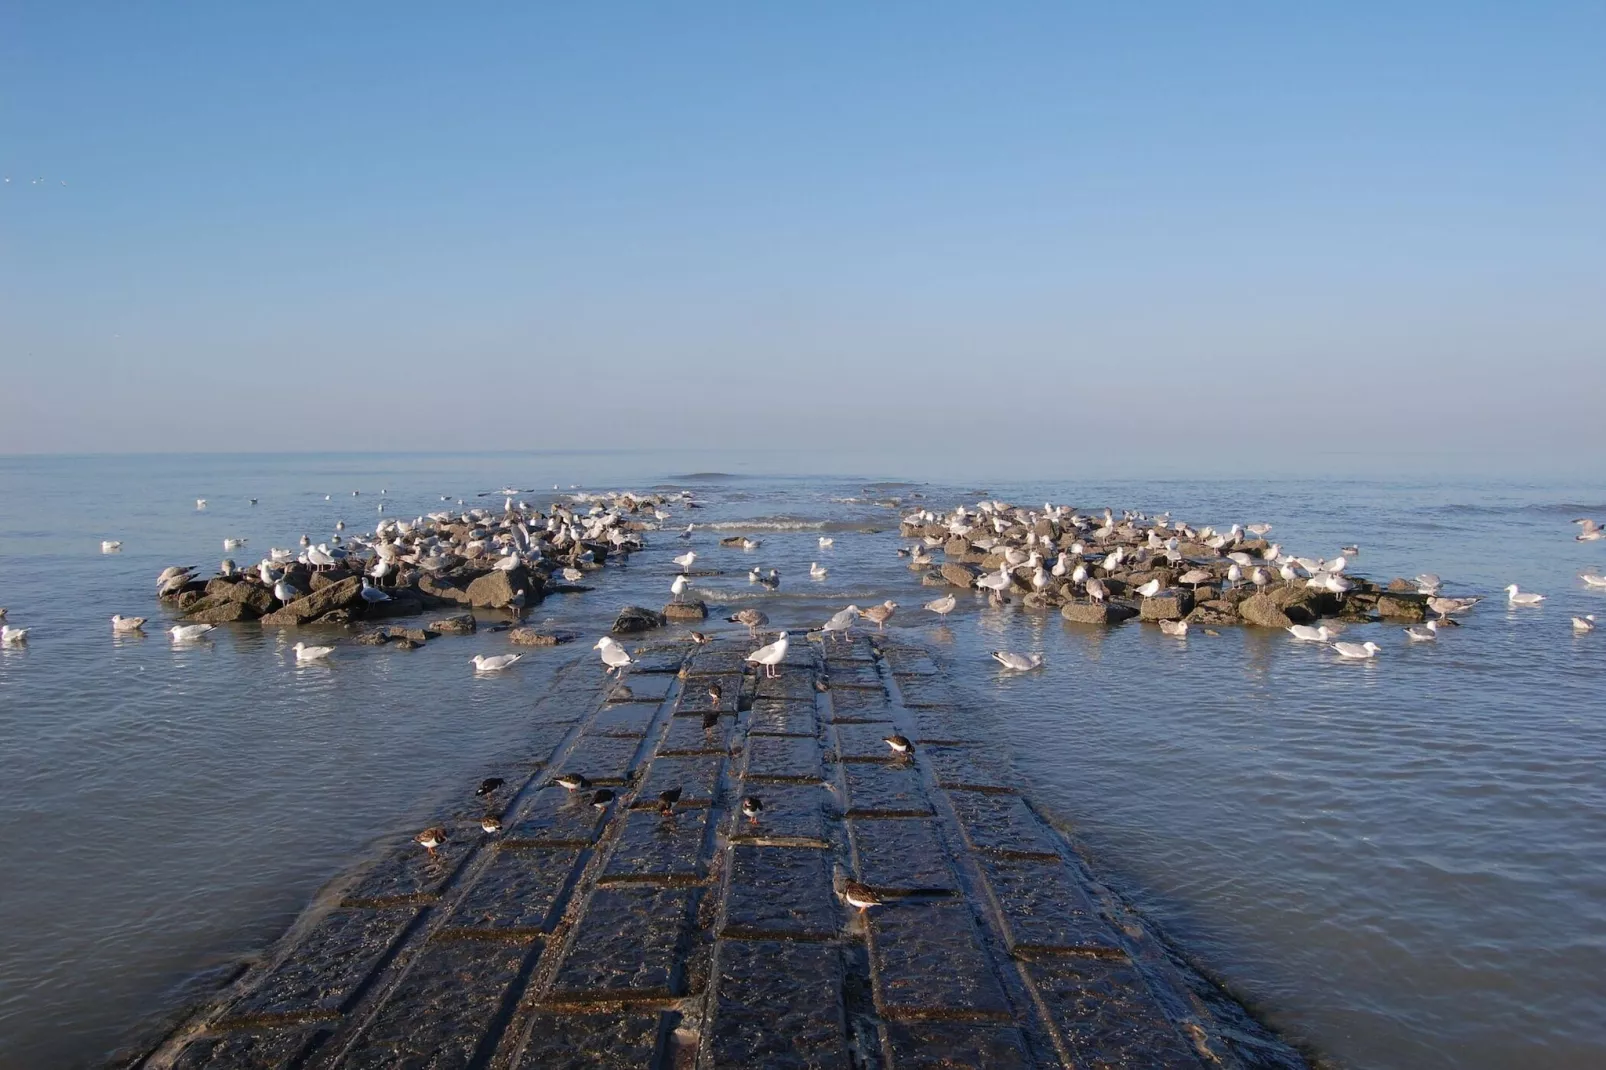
<point x="1400" y="862"/>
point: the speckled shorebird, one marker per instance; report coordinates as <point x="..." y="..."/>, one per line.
<point x="710" y="720"/>
<point x="699" y="638"/>
<point x="430" y="839"/>
<point x="491" y="823"/>
<point x="752" y="806"/>
<point x="715" y="695"/>
<point x="573" y="782"/>
<point x="900" y="744"/>
<point x="860" y="895"/>
<point x="881" y="614"/>
<point x="601" y="798"/>
<point x="750" y="617"/>
<point x="667" y="801"/>
<point x="489" y="785"/>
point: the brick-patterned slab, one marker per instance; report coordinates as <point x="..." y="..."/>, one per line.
<point x="521" y="891"/>
<point x="779" y="892"/>
<point x="625" y="719"/>
<point x="1044" y="909"/>
<point x="695" y="698"/>
<point x="556" y="818"/>
<point x="956" y="1046"/>
<point x="640" y="687"/>
<point x="616" y="1040"/>
<point x="536" y="743"/>
<point x="922" y="691"/>
<point x="325" y="972"/>
<point x="794" y="815"/>
<point x="1002" y="824"/>
<point x="604" y="759"/>
<point x="926" y="962"/>
<point x="946" y="725"/>
<point x="437" y="1016"/>
<point x="852" y="674"/>
<point x="408" y="874"/>
<point x="697" y="777"/>
<point x="686" y="735"/>
<point x="975" y="768"/>
<point x="900" y="855"/>
<point x="858" y="705"/>
<point x="857" y="647"/>
<point x="792" y="685"/>
<point x="1103" y="1015"/>
<point x="728" y="661"/>
<point x="628" y="946"/>
<point x="911" y="662"/>
<point x="783" y="758"/>
<point x="252" y="1049"/>
<point x="881" y="790"/>
<point x="778" y="1004"/>
<point x="783" y="717"/>
<point x="655" y="847"/>
<point x="863" y="743"/>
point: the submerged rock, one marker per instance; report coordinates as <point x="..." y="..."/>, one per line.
<point x="634" y="619"/>
<point x="531" y="637"/>
<point x="459" y="624"/>
<point x="693" y="610"/>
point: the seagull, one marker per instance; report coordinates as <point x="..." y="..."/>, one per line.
<point x="677" y="586"/>
<point x="1306" y="634"/>
<point x="1592" y="579"/>
<point x="1194" y="577"/>
<point x="1178" y="628"/>
<point x="1586" y="623"/>
<point x="750" y="617"/>
<point x="10" y="636"/>
<point x="1423" y="633"/>
<point x="770" y="656"/>
<point x="1150" y="589"/>
<point x="1018" y="662"/>
<point x="614" y="656"/>
<point x="285" y="593"/>
<point x="1446" y="606"/>
<point x="841" y="621"/>
<point x="685" y="560"/>
<point x="110" y="546"/>
<point x="572" y="575"/>
<point x="1589" y="530"/>
<point x="185" y="633"/>
<point x="881" y="614"/>
<point x="494" y="664"/>
<point x="372" y="594"/>
<point x="127" y="624"/>
<point x="1522" y="598"/>
<point x="687" y="533"/>
<point x="430" y="839"/>
<point x="942" y="606"/>
<point x="1096" y="591"/>
<point x="1258" y="530"/>
<point x="233" y="544"/>
<point x="1367" y="649"/>
<point x="750" y="544"/>
<point x="815" y="571"/>
<point x="200" y="503"/>
<point x="311" y="653"/>
<point x="825" y="543"/>
<point x="997" y="582"/>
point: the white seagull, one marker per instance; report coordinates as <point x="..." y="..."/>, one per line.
<point x="1592" y="579"/>
<point x="1423" y="633"/>
<point x="1177" y="628"/>
<point x="121" y="623"/>
<point x="494" y="664"/>
<point x="614" y="656"/>
<point x="188" y="633"/>
<point x="770" y="656"/>
<point x="1150" y="589"/>
<point x="685" y="560"/>
<point x="1304" y="633"/>
<point x="677" y="586"/>
<point x="825" y="543"/>
<point x="10" y="636"/>
<point x="371" y="594"/>
<point x="1586" y="623"/>
<point x="1522" y="598"/>
<point x="840" y="622"/>
<point x="1018" y="662"/>
<point x="943" y="606"/>
<point x="311" y="653"/>
<point x="1367" y="649"/>
<point x="816" y="571"/>
<point x="110" y="546"/>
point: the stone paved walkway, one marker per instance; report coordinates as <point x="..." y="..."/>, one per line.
<point x="624" y="938"/>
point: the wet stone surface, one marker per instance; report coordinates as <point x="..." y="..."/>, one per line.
<point x="628" y="945"/>
<point x="655" y="847"/>
<point x="1103" y="1015"/>
<point x="626" y="719"/>
<point x="783" y="717"/>
<point x="329" y="967"/>
<point x="927" y="962"/>
<point x="697" y="699"/>
<point x="863" y="742"/>
<point x="686" y="735"/>
<point x="1002" y="824"/>
<point x="521" y="891"/>
<point x="604" y="759"/>
<point x="794" y="686"/>
<point x="726" y="661"/>
<point x="794" y="815"/>
<point x="858" y="705"/>
<point x="697" y="777"/>
<point x="783" y="758"/>
<point x="616" y="1040"/>
<point x="970" y="767"/>
<point x="901" y="855"/>
<point x="779" y="892"/>
<point x="955" y="1045"/>
<point x="556" y="818"/>
<point x="409" y="874"/>
<point x="640" y="687"/>
<point x="1043" y="909"/>
<point x="853" y="674"/>
<point x="437" y="1015"/>
<point x="945" y="725"/>
<point x="778" y="1004"/>
<point x="910" y="661"/>
<point x="885" y="790"/>
<point x="252" y="1049"/>
<point x="920" y="691"/>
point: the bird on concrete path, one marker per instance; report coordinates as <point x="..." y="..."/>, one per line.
<point x="752" y="806"/>
<point x="770" y="656"/>
<point x="881" y="614"/>
<point x="900" y="744"/>
<point x="667" y="800"/>
<point x="572" y="782"/>
<point x="430" y="839"/>
<point x="750" y="617"/>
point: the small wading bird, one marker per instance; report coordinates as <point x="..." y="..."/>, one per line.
<point x="573" y="782"/>
<point x="601" y="798"/>
<point x="489" y="786"/>
<point x="1017" y="662"/>
<point x="430" y="839"/>
<point x="770" y="656"/>
<point x="900" y="744"/>
<point x="752" y="806"/>
<point x="667" y="800"/>
<point x="859" y="896"/>
<point x="491" y="824"/>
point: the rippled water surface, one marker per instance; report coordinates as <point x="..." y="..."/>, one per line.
<point x="1400" y="863"/>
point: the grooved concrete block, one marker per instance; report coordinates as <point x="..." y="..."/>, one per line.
<point x="697" y="777"/>
<point x="945" y="1045"/>
<point x="1045" y="909"/>
<point x="629" y="946"/>
<point x="926" y="962"/>
<point x="624" y="719"/>
<point x="901" y="855"/>
<point x="687" y="735"/>
<point x="520" y="892"/>
<point x="973" y="768"/>
<point x="439" y="1013"/>
<point x="794" y="815"/>
<point x="1102" y="1014"/>
<point x="778" y="1004"/>
<point x="853" y="675"/>
<point x="252" y="1049"/>
<point x="783" y="717"/>
<point x="605" y="759"/>
<point x="863" y="742"/>
<point x="794" y="684"/>
<point x="324" y="972"/>
<point x="877" y="790"/>
<point x="556" y="818"/>
<point x="860" y="704"/>
<point x="920" y="691"/>
<point x="408" y="874"/>
<point x="783" y="758"/>
<point x="640" y="687"/>
<point x="1003" y="824"/>
<point x="616" y="1040"/>
<point x="658" y="848"/>
<point x="779" y="893"/>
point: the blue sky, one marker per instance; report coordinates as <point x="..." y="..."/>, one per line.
<point x="1059" y="230"/>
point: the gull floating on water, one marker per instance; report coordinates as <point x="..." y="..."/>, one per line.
<point x="1522" y="598"/>
<point x="825" y="543"/>
<point x="770" y="656"/>
<point x="1592" y="579"/>
<point x="1586" y="623"/>
<point x="815" y="571"/>
<point x="1177" y="628"/>
<point x="1306" y="634"/>
<point x="10" y="636"/>
<point x="1367" y="649"/>
<point x="311" y="653"/>
<point x="200" y="503"/>
<point x="188" y="633"/>
<point x="1018" y="662"/>
<point x="110" y="546"/>
<point x="494" y="664"/>
<point x="1423" y="633"/>
<point x="121" y="623"/>
<point x="614" y="656"/>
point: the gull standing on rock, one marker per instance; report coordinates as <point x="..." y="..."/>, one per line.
<point x="1018" y="662"/>
<point x="677" y="586"/>
<point x="614" y="656"/>
<point x="770" y="656"/>
<point x="372" y="594"/>
<point x="1150" y="589"/>
<point x="494" y="664"/>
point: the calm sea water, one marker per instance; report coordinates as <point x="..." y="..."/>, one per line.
<point x="1400" y="863"/>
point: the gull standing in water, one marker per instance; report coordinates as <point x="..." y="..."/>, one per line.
<point x="943" y="606"/>
<point x="685" y="560"/>
<point x="840" y="622"/>
<point x="770" y="656"/>
<point x="1018" y="662"/>
<point x="1522" y="598"/>
<point x="881" y="614"/>
<point x="614" y="656"/>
